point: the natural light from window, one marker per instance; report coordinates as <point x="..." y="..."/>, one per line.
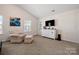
<point x="1" y="23"/>
<point x="27" y="26"/>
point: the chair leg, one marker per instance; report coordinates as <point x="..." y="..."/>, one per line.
<point x="0" y="47"/>
<point x="0" y="51"/>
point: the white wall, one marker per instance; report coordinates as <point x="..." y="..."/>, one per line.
<point x="77" y="26"/>
<point x="67" y="23"/>
<point x="8" y="11"/>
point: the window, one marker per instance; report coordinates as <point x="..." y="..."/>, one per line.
<point x="27" y="26"/>
<point x="1" y="23"/>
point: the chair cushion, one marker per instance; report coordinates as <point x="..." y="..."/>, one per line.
<point x="16" y="38"/>
<point x="28" y="36"/>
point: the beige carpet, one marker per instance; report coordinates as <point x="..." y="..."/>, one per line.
<point x="41" y="46"/>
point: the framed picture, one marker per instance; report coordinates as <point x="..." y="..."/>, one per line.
<point x="14" y="21"/>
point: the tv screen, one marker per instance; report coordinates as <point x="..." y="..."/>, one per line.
<point x="50" y="23"/>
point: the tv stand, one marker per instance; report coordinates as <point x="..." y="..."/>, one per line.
<point x="49" y="33"/>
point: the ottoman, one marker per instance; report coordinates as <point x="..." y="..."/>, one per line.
<point x="28" y="39"/>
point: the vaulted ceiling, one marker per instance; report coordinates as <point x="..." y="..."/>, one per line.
<point x="41" y="10"/>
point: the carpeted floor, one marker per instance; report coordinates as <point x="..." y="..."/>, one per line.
<point x="41" y="46"/>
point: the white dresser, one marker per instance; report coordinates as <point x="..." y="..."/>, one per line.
<point x="50" y="33"/>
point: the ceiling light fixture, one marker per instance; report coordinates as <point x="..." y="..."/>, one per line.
<point x="53" y="10"/>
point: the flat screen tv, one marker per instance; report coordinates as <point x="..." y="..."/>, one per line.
<point x="50" y="23"/>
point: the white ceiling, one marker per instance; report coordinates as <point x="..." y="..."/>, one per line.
<point x="41" y="10"/>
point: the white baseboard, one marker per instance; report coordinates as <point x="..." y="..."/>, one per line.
<point x="71" y="41"/>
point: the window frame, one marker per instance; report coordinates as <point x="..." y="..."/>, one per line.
<point x="1" y="29"/>
<point x="28" y="24"/>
